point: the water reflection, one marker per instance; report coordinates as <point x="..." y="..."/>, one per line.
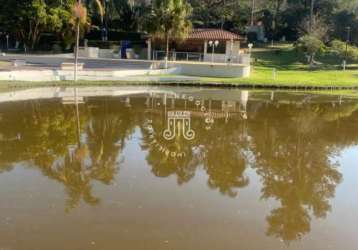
<point x="288" y="140"/>
<point x="293" y="161"/>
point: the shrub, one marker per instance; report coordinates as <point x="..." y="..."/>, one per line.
<point x="340" y="49"/>
<point x="310" y="45"/>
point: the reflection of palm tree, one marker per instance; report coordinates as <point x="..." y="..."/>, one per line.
<point x="76" y="178"/>
<point x="50" y="137"/>
<point x="107" y="132"/>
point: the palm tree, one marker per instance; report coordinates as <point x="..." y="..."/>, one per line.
<point x="169" y="19"/>
<point x="132" y="13"/>
<point x="79" y="20"/>
<point x="101" y="9"/>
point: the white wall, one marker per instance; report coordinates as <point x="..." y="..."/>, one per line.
<point x="223" y="58"/>
<point x="90" y="52"/>
<point x="213" y="70"/>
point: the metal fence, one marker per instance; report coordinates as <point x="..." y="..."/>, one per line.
<point x="178" y="56"/>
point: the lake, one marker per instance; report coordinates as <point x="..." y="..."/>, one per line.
<point x="140" y="167"/>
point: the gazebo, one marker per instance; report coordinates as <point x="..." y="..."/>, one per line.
<point x="225" y="45"/>
<point x="227" y="49"/>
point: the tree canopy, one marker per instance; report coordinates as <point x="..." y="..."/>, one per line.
<point x="29" y="19"/>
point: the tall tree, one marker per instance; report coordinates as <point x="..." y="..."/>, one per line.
<point x="131" y="14"/>
<point x="79" y="19"/>
<point x="168" y="20"/>
<point x="27" y="19"/>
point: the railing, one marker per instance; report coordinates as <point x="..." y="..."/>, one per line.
<point x="159" y="55"/>
<point x="178" y="56"/>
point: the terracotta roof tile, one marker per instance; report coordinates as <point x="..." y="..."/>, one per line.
<point x="213" y="34"/>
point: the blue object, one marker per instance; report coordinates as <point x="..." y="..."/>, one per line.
<point x="125" y="45"/>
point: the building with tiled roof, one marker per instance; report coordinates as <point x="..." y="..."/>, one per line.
<point x="214" y="45"/>
<point x="213" y="34"/>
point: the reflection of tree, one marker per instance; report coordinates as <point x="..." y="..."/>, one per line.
<point x="289" y="146"/>
<point x="225" y="158"/>
<point x="163" y="164"/>
<point x="76" y="177"/>
<point x="36" y="132"/>
<point x="45" y="133"/>
<point x="293" y="161"/>
<point x="110" y="125"/>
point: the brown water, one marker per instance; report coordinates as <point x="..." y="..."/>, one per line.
<point x="229" y="169"/>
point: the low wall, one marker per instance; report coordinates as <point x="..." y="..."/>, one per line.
<point x="89" y="52"/>
<point x="224" y="58"/>
<point x="68" y="75"/>
<point x="106" y="53"/>
<point x="213" y="70"/>
<point x="176" y="68"/>
<point x="92" y="52"/>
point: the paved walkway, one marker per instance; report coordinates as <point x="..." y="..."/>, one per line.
<point x="55" y="61"/>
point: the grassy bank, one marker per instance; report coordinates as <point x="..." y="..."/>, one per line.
<point x="284" y="66"/>
<point x="263" y="76"/>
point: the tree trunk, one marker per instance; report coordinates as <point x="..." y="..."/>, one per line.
<point x="76" y="50"/>
<point x="275" y="17"/>
<point x="167" y="50"/>
<point x="311" y="15"/>
<point x="311" y="60"/>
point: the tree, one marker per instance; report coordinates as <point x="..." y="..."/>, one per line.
<point x="79" y="19"/>
<point x="131" y="14"/>
<point x="344" y="51"/>
<point x="342" y="20"/>
<point x="314" y="31"/>
<point x="316" y="26"/>
<point x="169" y="19"/>
<point x="310" y="45"/>
<point x="27" y="19"/>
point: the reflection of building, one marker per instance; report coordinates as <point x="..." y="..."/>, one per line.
<point x="68" y="100"/>
<point x="207" y="104"/>
<point x="162" y="94"/>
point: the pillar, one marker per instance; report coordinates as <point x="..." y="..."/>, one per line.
<point x="149" y="49"/>
<point x="205" y="49"/>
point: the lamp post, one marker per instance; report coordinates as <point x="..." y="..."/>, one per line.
<point x="252" y="12"/>
<point x="347" y="42"/>
<point x="250" y="45"/>
<point x="7" y="42"/>
<point x="213" y="45"/>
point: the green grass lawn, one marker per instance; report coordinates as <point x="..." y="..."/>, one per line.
<point x="293" y="78"/>
<point x="291" y="70"/>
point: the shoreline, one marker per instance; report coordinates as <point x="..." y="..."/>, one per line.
<point x="168" y="81"/>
